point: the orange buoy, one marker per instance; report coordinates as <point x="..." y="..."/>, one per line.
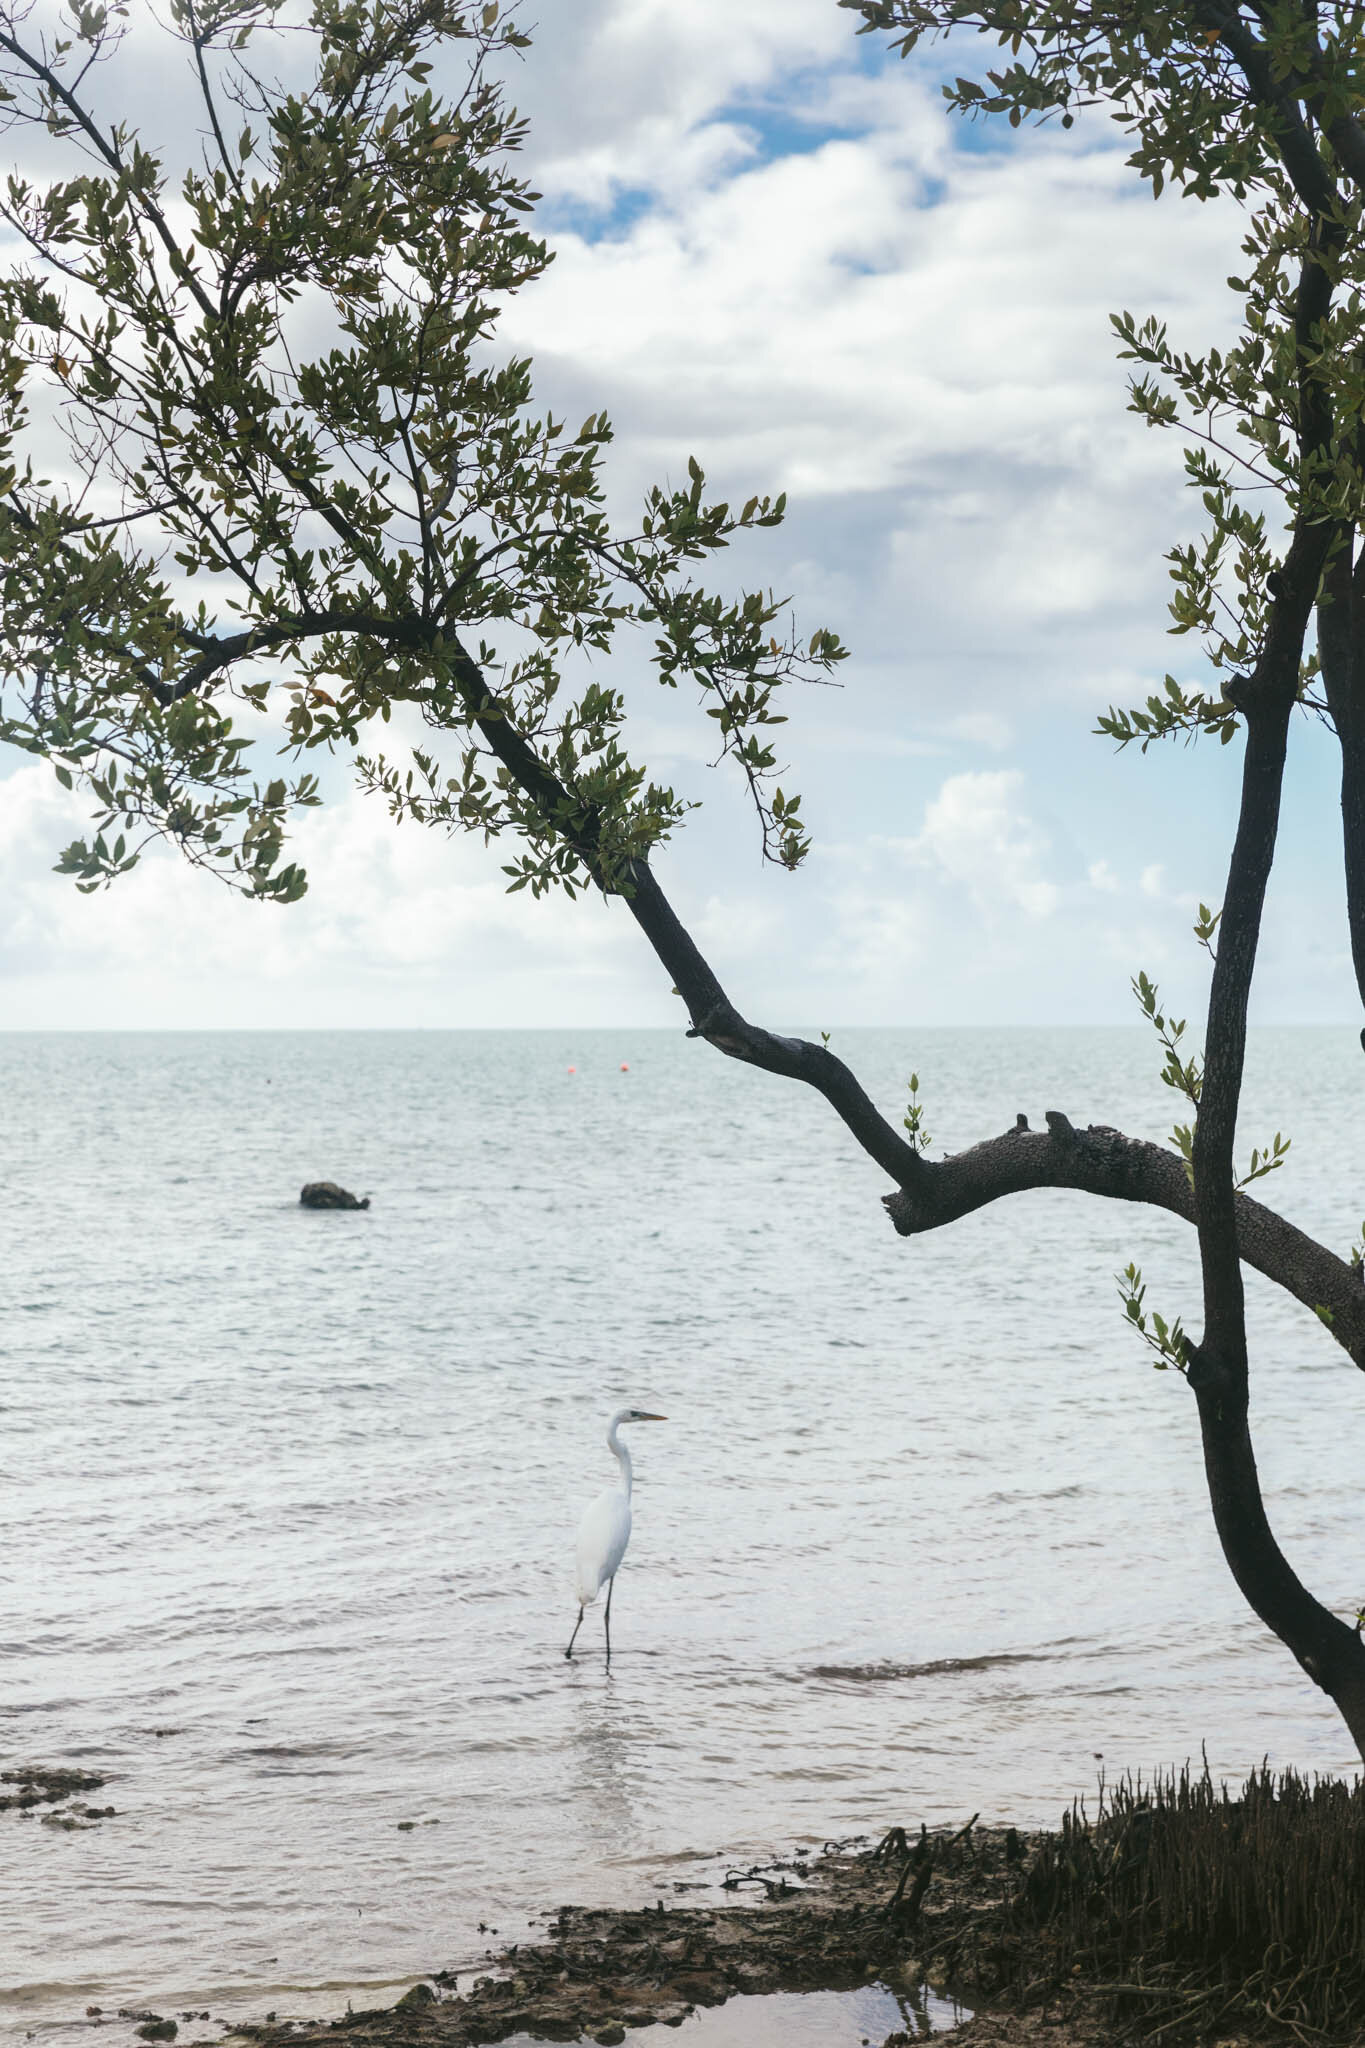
<point x="573" y="1070"/>
<point x="624" y="1068"/>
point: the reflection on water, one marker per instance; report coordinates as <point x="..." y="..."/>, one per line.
<point x="606" y="1741"/>
<point x="805" y="2019"/>
<point x="288" y="1499"/>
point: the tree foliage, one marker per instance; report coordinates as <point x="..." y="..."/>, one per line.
<point x="297" y="487"/>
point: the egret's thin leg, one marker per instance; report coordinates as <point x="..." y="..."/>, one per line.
<point x="610" y="1583"/>
<point x="576" y="1627"/>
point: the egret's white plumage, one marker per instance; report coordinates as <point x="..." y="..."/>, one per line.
<point x="603" y="1535"/>
<point x="604" y="1530"/>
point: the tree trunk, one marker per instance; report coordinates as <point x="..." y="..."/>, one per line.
<point x="1353" y="837"/>
<point x="1341" y="613"/>
<point x="1330" y="1652"/>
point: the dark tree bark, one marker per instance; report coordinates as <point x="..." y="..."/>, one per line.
<point x="1341" y="634"/>
<point x="1329" y="1651"/>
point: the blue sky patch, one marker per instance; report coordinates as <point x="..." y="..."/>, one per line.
<point x="591" y="223"/>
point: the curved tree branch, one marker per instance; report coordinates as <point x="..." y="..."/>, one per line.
<point x="715" y="1018"/>
<point x="1098" y="1161"/>
<point x="1102" y="1161"/>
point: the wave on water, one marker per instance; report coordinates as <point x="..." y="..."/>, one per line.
<point x="884" y="1671"/>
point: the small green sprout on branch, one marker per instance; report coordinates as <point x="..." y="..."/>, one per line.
<point x="1265" y="1162"/>
<point x="1187" y="1076"/>
<point x="1204" y="927"/>
<point x="1175" y="710"/>
<point x="1167" y="1340"/>
<point x="914" y="1118"/>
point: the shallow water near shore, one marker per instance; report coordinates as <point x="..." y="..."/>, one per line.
<point x="803" y="2019"/>
<point x="287" y="1499"/>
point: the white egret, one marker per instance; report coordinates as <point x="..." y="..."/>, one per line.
<point x="604" y="1530"/>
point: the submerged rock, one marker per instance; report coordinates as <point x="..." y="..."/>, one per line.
<point x="325" y="1194"/>
<point x="37" y="1785"/>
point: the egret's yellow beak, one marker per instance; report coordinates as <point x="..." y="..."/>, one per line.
<point x="642" y="1417"/>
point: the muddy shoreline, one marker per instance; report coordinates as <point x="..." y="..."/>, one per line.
<point x="910" y="1912"/>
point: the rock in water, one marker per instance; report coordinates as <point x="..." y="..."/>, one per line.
<point x="414" y="2000"/>
<point x="325" y="1194"/>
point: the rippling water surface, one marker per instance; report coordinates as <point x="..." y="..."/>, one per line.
<point x="287" y="1500"/>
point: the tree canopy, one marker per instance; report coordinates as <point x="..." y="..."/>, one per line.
<point x="299" y="488"/>
<point x="274" y="370"/>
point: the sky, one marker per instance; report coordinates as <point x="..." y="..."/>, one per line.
<point x="776" y="250"/>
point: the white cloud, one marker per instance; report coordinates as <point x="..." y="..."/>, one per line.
<point x="976" y="835"/>
<point x="641" y="94"/>
<point x="399" y="926"/>
<point x="894" y="330"/>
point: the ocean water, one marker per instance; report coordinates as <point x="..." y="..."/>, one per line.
<point x="287" y="1500"/>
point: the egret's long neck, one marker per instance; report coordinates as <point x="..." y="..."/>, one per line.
<point x="622" y="1455"/>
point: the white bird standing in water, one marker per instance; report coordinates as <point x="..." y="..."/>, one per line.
<point x="604" y="1530"/>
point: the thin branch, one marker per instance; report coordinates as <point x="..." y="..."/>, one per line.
<point x="114" y="158"/>
<point x="226" y="157"/>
